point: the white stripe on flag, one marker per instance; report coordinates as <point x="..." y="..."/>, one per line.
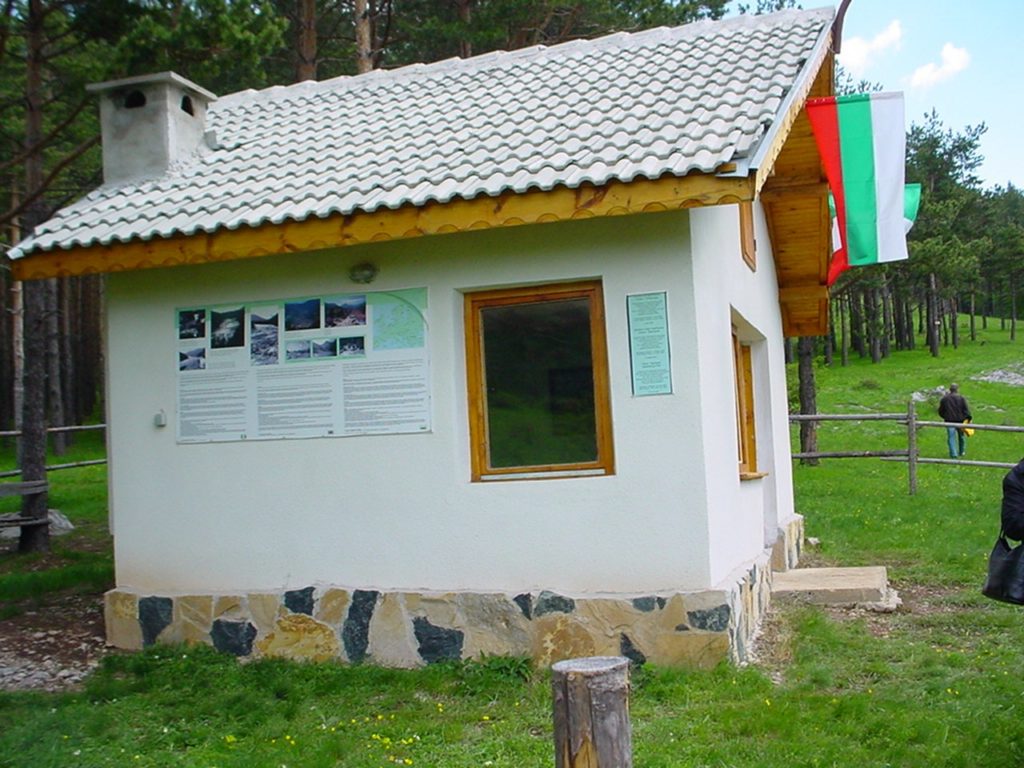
<point x="889" y="146"/>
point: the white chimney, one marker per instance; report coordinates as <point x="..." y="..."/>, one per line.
<point x="149" y="123"/>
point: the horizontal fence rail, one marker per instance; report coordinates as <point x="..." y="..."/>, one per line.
<point x="54" y="467"/>
<point x="52" y="431"/>
<point x="910" y="454"/>
<point x="55" y="430"/>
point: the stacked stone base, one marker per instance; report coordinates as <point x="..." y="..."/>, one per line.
<point x="411" y="629"/>
<point x="789" y="544"/>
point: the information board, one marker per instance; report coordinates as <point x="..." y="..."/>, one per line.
<point x="649" y="355"/>
<point x="334" y="365"/>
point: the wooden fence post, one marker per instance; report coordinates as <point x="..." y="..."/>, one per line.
<point x="912" y="447"/>
<point x="591" y="713"/>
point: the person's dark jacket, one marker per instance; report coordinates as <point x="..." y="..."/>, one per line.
<point x="953" y="407"/>
<point x="1013" y="502"/>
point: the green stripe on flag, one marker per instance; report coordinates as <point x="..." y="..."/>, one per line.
<point x="856" y="145"/>
<point x="911" y="202"/>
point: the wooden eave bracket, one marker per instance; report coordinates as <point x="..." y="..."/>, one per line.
<point x="804" y="299"/>
<point x="506" y="210"/>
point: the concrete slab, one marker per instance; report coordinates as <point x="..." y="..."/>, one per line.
<point x="832" y="586"/>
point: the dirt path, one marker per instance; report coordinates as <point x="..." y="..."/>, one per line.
<point x="52" y="645"/>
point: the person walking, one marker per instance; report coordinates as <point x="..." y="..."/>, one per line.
<point x="953" y="407"/>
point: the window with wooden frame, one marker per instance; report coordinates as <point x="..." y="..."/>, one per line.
<point x="746" y="437"/>
<point x="537" y="373"/>
<point x="747" y="245"/>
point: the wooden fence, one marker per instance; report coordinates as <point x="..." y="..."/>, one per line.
<point x="55" y="430"/>
<point x="911" y="454"/>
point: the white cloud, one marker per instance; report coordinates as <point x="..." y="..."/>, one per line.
<point x="858" y="53"/>
<point x="953" y="60"/>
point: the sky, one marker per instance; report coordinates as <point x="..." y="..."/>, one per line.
<point x="962" y="58"/>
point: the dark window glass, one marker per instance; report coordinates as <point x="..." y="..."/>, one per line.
<point x="539" y="383"/>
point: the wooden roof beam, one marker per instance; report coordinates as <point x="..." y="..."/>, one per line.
<point x="507" y="210"/>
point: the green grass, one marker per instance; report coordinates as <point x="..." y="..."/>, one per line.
<point x="79" y="561"/>
<point x="936" y="684"/>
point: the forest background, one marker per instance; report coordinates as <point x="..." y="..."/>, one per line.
<point x="967" y="246"/>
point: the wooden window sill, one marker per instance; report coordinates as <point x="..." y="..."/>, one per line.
<point x="752" y="475"/>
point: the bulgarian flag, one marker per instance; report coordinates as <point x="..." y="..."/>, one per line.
<point x="862" y="142"/>
<point x="911" y="203"/>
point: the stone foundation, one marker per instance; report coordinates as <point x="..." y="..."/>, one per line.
<point x="411" y="629"/>
<point x="408" y="629"/>
<point x="789" y="544"/>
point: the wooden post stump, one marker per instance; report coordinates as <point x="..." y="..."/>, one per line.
<point x="591" y="713"/>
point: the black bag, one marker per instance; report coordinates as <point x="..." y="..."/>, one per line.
<point x="1013" y="502"/>
<point x="1005" y="580"/>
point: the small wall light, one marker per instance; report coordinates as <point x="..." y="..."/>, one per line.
<point x="363" y="273"/>
<point x="160" y="418"/>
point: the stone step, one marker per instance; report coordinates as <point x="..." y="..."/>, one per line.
<point x="834" y="586"/>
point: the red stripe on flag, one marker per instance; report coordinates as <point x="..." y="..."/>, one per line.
<point x="824" y="118"/>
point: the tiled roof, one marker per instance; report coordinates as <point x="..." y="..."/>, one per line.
<point x="664" y="101"/>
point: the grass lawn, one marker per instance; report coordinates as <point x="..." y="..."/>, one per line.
<point x="79" y="561"/>
<point x="936" y="684"/>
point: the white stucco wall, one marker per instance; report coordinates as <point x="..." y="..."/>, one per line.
<point x="399" y="512"/>
<point x="743" y="516"/>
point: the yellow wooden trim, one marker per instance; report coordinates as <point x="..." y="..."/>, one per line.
<point x="802" y="293"/>
<point x="781" y="191"/>
<point x="737" y="360"/>
<point x="474" y="388"/>
<point x="752" y="475"/>
<point x="506" y="210"/>
<point x="748" y="245"/>
<point x="476" y="376"/>
<point x="751" y="435"/>
<point x="746" y="436"/>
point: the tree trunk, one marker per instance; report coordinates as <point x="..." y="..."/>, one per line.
<point x="857" y="323"/>
<point x="874" y="324"/>
<point x="54" y="387"/>
<point x="17" y="327"/>
<point x="974" y="330"/>
<point x="68" y="363"/>
<point x="902" y="320"/>
<point x="987" y="309"/>
<point x="954" y="321"/>
<point x="364" y="36"/>
<point x="844" y="344"/>
<point x="18" y="350"/>
<point x="933" y="318"/>
<point x="306" y="42"/>
<point x="1013" y="308"/>
<point x="6" y="350"/>
<point x="464" y="8"/>
<point x="32" y="453"/>
<point x="887" y="322"/>
<point x="911" y="337"/>
<point x="808" y="398"/>
<point x="787" y="350"/>
<point x="90" y="359"/>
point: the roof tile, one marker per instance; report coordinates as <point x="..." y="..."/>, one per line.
<point x="663" y="101"/>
